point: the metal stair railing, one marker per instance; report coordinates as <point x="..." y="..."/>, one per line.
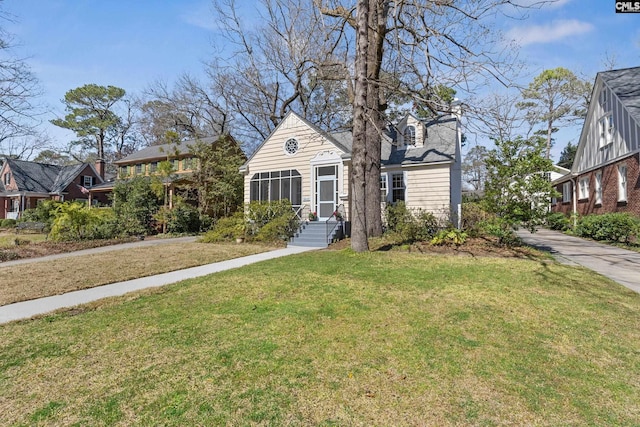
<point x="338" y="214"/>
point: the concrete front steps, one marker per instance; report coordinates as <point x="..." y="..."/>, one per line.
<point x="314" y="234"/>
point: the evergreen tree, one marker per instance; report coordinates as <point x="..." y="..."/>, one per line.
<point x="568" y="155"/>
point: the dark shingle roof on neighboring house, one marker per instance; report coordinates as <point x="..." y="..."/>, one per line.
<point x="66" y="175"/>
<point x="160" y="152"/>
<point x="33" y="177"/>
<point x="625" y="84"/>
<point x="41" y="177"/>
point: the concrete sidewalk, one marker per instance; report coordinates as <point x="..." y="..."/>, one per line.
<point x="618" y="264"/>
<point x="27" y="309"/>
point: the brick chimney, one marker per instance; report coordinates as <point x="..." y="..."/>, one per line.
<point x="100" y="168"/>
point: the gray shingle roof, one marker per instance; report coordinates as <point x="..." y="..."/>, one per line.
<point x="439" y="145"/>
<point x="159" y="152"/>
<point x="65" y="176"/>
<point x="33" y="177"/>
<point x="626" y="85"/>
<point x="42" y="178"/>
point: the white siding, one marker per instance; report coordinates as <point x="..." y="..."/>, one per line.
<point x="428" y="188"/>
<point x="272" y="157"/>
<point x="625" y="132"/>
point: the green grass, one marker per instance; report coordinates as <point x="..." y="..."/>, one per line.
<point x="8" y="239"/>
<point x="336" y="338"/>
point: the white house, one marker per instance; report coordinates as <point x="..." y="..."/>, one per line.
<point x="300" y="162"/>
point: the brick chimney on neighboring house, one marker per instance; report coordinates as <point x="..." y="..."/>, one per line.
<point x="100" y="168"/>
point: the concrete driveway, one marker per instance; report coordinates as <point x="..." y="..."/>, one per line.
<point x="620" y="265"/>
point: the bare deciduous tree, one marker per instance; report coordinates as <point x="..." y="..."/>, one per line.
<point x="19" y="106"/>
<point x="290" y="62"/>
<point x="424" y="46"/>
<point x="190" y="110"/>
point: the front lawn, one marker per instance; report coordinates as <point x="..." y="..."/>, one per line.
<point x="335" y="338"/>
<point x="45" y="278"/>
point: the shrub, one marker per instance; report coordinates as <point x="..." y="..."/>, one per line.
<point x="135" y="202"/>
<point x="279" y="228"/>
<point x="410" y="226"/>
<point x="498" y="227"/>
<point x="183" y="218"/>
<point x="76" y="221"/>
<point x="615" y="227"/>
<point x="226" y="229"/>
<point x="259" y="214"/>
<point x="473" y="215"/>
<point x="558" y="221"/>
<point x="8" y="223"/>
<point x="451" y="236"/>
<point x="44" y="212"/>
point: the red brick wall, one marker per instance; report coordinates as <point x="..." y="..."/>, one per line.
<point x="73" y="190"/>
<point x="609" y="190"/>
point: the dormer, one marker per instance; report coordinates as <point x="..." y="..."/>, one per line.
<point x="410" y="133"/>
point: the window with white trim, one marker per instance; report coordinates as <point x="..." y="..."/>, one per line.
<point x="583" y="188"/>
<point x="598" y="188"/>
<point x="7" y="178"/>
<point x="277" y="185"/>
<point x="87" y="181"/>
<point x="622" y="183"/>
<point x="409" y="135"/>
<point x="566" y="192"/>
<point x="605" y="129"/>
<point x="383" y="187"/>
<point x="139" y="169"/>
<point x="397" y="187"/>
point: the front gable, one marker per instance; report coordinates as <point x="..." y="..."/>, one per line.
<point x="82" y="180"/>
<point x="610" y="132"/>
<point x="7" y="182"/>
<point x="292" y="145"/>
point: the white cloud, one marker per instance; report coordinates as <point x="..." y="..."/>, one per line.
<point x="552" y="4"/>
<point x="556" y="30"/>
<point x="201" y="16"/>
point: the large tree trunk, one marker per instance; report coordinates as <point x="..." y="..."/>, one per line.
<point x="359" y="237"/>
<point x="375" y="121"/>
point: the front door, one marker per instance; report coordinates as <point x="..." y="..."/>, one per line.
<point x="326" y="190"/>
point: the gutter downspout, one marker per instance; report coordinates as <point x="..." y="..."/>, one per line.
<point x="574" y="201"/>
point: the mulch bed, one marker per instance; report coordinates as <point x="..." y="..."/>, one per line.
<point x="473" y="247"/>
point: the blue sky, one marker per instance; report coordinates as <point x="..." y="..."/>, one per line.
<point x="131" y="43"/>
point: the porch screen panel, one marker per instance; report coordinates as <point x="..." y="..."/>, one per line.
<point x="274" y="192"/>
<point x="296" y="191"/>
<point x="285" y="189"/>
<point x="277" y="185"/>
<point x="254" y="190"/>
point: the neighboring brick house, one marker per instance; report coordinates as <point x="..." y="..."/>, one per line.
<point x="605" y="176"/>
<point x="23" y="184"/>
